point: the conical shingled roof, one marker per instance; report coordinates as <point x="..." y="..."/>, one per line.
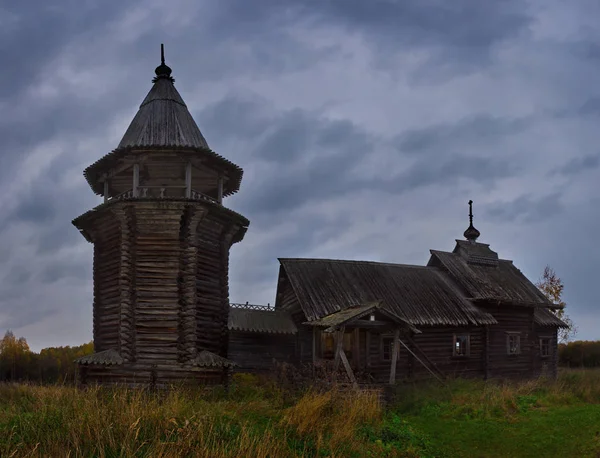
<point x="163" y="120"/>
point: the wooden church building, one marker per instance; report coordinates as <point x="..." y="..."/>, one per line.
<point x="161" y="296"/>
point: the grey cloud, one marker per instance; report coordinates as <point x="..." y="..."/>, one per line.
<point x="526" y="209"/>
<point x="578" y="165"/>
<point x="41" y="31"/>
<point x="590" y="107"/>
<point x="455" y="31"/>
<point x="57" y="271"/>
<point x="481" y="130"/>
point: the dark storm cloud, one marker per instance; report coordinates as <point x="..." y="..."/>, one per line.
<point x="459" y="33"/>
<point x="526" y="209"/>
<point x="72" y="71"/>
<point x="293" y="138"/>
<point x="578" y="165"/>
<point x="481" y="130"/>
<point x="39" y="32"/>
<point x="590" y="107"/>
<point x="59" y="271"/>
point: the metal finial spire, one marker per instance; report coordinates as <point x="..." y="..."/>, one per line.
<point x="471" y="212"/>
<point x="471" y="234"/>
<point x="163" y="70"/>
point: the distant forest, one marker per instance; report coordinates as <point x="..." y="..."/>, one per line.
<point x="55" y="364"/>
<point x="51" y="365"/>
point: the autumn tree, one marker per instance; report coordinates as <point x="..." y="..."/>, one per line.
<point x="552" y="287"/>
<point x="14" y="355"/>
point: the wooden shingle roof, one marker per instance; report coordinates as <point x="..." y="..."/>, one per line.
<point x="417" y="294"/>
<point x="163" y="120"/>
<point x="265" y="321"/>
<point x="545" y="317"/>
<point x="164" y="123"/>
<point x="502" y="282"/>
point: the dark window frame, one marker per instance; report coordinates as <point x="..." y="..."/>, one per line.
<point x="467" y="352"/>
<point x="390" y="345"/>
<point x="548" y="346"/>
<point x="509" y="336"/>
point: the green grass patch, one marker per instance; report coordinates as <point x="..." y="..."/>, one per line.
<point x="540" y="418"/>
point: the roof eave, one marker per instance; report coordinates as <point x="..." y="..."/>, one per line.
<point x="92" y="175"/>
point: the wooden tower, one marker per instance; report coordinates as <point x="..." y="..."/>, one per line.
<point x="161" y="249"/>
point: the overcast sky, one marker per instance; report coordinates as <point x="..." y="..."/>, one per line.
<point x="363" y="128"/>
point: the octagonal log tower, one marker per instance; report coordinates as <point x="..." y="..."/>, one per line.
<point x="161" y="250"/>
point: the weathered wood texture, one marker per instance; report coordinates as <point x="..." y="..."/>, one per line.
<point x="437" y="345"/>
<point x="160" y="281"/>
<point x="107" y="291"/>
<point x="256" y="352"/>
<point x="546" y="366"/>
<point x="159" y="375"/>
<point x="511" y="320"/>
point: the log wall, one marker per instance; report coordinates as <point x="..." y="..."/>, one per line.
<point x="501" y="364"/>
<point x="437" y="344"/>
<point x="255" y="352"/>
<point x="546" y="366"/>
<point x="107" y="291"/>
<point x="161" y="289"/>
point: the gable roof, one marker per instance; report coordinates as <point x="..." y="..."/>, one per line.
<point x="351" y="314"/>
<point x="266" y="321"/>
<point x="417" y="294"/>
<point x="502" y="282"/>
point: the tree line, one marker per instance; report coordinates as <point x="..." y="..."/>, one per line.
<point x="51" y="365"/>
<point x="580" y="353"/>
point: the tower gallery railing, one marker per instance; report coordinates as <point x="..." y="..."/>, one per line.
<point x="162" y="192"/>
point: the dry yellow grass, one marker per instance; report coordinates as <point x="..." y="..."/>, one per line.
<point x="63" y="421"/>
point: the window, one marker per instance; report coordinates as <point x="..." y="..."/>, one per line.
<point x="544" y="347"/>
<point x="328" y="344"/>
<point x="387" y="346"/>
<point x="461" y="345"/>
<point x="513" y="344"/>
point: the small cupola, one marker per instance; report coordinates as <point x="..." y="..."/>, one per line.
<point x="471" y="234"/>
<point x="471" y="250"/>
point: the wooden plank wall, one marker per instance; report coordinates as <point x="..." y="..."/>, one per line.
<point x="156" y="274"/>
<point x="511" y="319"/>
<point x="255" y="352"/>
<point x="211" y="310"/>
<point x="141" y="375"/>
<point x="546" y="366"/>
<point x="380" y="368"/>
<point x="107" y="293"/>
<point x="437" y="343"/>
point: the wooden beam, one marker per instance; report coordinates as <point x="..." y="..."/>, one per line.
<point x="314" y="346"/>
<point x="126" y="164"/>
<point x="188" y="180"/>
<point x="106" y="191"/>
<point x="338" y="347"/>
<point x="136" y="179"/>
<point x="394" y="357"/>
<point x="356" y="348"/>
<point x="220" y="189"/>
<point x="486" y="352"/>
<point x="368" y="350"/>
<point x="348" y="368"/>
<point x="419" y="359"/>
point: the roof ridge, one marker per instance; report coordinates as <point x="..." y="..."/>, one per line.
<point x="353" y="261"/>
<point x="456" y="254"/>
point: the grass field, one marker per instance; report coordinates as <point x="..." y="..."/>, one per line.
<point x="256" y="419"/>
